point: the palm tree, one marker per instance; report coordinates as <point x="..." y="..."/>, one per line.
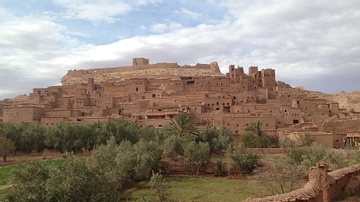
<point x="255" y="127"/>
<point x="182" y="125"/>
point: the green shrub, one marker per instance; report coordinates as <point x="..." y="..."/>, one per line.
<point x="197" y="154"/>
<point x="243" y="161"/>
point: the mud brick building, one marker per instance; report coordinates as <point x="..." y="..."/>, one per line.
<point x="153" y="94"/>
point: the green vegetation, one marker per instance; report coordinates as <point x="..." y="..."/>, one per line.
<point x="282" y="175"/>
<point x="126" y="161"/>
<point x="202" y="189"/>
<point x="6" y="173"/>
<point x="243" y="161"/>
<point x="183" y="126"/>
<point x="6" y="147"/>
<point x="197" y="154"/>
<point x="255" y="128"/>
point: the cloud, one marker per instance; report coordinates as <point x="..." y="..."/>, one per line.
<point x="189" y="13"/>
<point x="97" y="11"/>
<point x="159" y="28"/>
<point x="165" y="27"/>
<point x="28" y="46"/>
<point x="312" y="45"/>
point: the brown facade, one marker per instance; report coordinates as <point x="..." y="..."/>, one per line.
<point x="234" y="100"/>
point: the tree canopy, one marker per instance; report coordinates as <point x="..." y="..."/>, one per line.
<point x="182" y="125"/>
<point x="6" y="147"/>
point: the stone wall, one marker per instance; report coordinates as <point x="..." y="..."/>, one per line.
<point x="322" y="185"/>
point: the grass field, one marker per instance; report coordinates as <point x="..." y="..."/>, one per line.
<point x="202" y="188"/>
<point x="5" y="180"/>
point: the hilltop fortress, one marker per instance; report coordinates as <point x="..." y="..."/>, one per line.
<point x="141" y="69"/>
<point x="153" y="94"/>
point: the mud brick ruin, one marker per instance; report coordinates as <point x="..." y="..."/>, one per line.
<point x="153" y="94"/>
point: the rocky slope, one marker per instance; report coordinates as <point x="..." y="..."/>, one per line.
<point x="346" y="100"/>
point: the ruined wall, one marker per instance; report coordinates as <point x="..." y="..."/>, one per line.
<point x="141" y="69"/>
<point x="322" y="186"/>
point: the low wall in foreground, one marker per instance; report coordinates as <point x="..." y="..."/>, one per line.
<point x="322" y="186"/>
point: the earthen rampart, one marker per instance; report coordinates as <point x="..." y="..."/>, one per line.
<point x="322" y="186"/>
<point x="141" y="70"/>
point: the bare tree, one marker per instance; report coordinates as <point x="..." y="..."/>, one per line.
<point x="282" y="176"/>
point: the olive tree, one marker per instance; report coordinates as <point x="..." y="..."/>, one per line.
<point x="197" y="154"/>
<point x="6" y="147"/>
<point x="245" y="162"/>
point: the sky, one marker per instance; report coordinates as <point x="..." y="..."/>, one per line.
<point x="314" y="44"/>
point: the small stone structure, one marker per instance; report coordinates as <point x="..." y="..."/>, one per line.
<point x="322" y="186"/>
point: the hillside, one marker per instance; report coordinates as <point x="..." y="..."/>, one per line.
<point x="347" y="100"/>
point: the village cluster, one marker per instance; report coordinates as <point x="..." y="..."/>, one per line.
<point x="153" y="94"/>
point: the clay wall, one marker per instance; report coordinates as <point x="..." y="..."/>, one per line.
<point x="289" y="95"/>
<point x="126" y="110"/>
<point x="246" y="108"/>
<point x="164" y="102"/>
<point x="117" y="88"/>
<point x="258" y="96"/>
<point x="202" y="66"/>
<point x="341" y="127"/>
<point x="322" y="186"/>
<point x="268" y="79"/>
<point x="46" y="99"/>
<point x="140" y="61"/>
<point x="163" y="65"/>
<point x="1" y="111"/>
<point x="237" y="124"/>
<point x="196" y="111"/>
<point x="23" y="114"/>
<point x="175" y="85"/>
<point x="220" y="84"/>
<point x="334" y="109"/>
<point x="194" y="85"/>
<point x="58" y="113"/>
<point x="197" y="99"/>
<point x="310" y="106"/>
<point x="143" y="105"/>
<point x="156" y="94"/>
<point x="180" y="100"/>
<point x="64" y="103"/>
<point x="51" y="121"/>
<point x="80" y="93"/>
<point x="253" y="70"/>
<point x="39" y="91"/>
<point x="107" y="101"/>
<point x="338" y="140"/>
<point x="217" y="103"/>
<point x="326" y="139"/>
<point x="235" y="73"/>
<point x="67" y="90"/>
<point x="241" y="85"/>
<point x="136" y="85"/>
<point x="80" y="103"/>
<point x="157" y="123"/>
